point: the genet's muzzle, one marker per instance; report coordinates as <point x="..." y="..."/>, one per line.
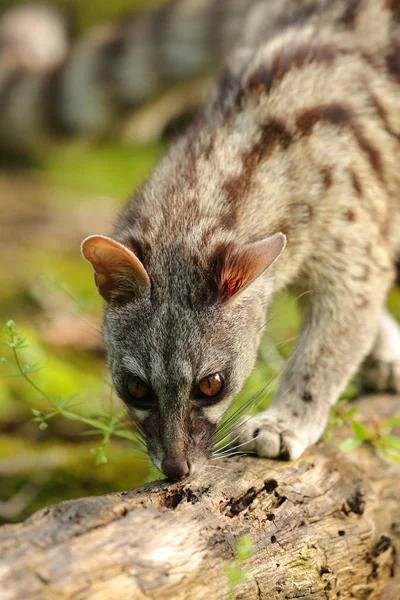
<point x="175" y="468"/>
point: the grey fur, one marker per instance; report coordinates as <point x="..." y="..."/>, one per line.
<point x="301" y="135"/>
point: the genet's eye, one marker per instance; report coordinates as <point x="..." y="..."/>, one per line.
<point x="139" y="394"/>
<point x="210" y="386"/>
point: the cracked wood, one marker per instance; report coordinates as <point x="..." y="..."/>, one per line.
<point x="324" y="527"/>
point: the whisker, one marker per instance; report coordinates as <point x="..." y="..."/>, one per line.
<point x="234" y="454"/>
<point x="239" y="412"/>
<point x="95" y="328"/>
<point x="220" y="453"/>
<point x="226" y="425"/>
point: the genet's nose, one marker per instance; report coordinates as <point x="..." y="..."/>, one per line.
<point x="175" y="468"/>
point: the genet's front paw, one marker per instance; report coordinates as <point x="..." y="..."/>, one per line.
<point x="380" y="376"/>
<point x="270" y="436"/>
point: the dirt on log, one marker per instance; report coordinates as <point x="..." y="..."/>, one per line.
<point x="323" y="527"/>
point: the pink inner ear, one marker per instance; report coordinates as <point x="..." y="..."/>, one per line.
<point x="242" y="265"/>
<point x="234" y="276"/>
<point x="118" y="272"/>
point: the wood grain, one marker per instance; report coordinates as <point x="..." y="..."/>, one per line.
<point x="323" y="527"/>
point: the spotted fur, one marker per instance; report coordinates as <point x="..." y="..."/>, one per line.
<point x="300" y="136"/>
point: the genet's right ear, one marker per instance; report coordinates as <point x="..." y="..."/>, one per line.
<point x="118" y="273"/>
<point x="237" y="266"/>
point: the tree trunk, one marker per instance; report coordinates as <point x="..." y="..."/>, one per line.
<point x="325" y="526"/>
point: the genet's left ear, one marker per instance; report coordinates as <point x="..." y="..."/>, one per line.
<point x="236" y="267"/>
<point x="118" y="273"/>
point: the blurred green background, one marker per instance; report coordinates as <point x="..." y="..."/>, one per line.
<point x="47" y="208"/>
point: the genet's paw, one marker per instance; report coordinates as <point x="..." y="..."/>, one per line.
<point x="381" y="370"/>
<point x="268" y="436"/>
<point x="380" y="375"/>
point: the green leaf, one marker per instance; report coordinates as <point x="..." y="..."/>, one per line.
<point x="359" y="431"/>
<point x="391" y="422"/>
<point x="244" y="548"/>
<point x="71" y="416"/>
<point x="391" y="441"/>
<point x="235" y="574"/>
<point x="348" y="413"/>
<point x="125" y="434"/>
<point x="349" y="444"/>
<point x="391" y="455"/>
<point x="92" y="432"/>
<point x="36" y="412"/>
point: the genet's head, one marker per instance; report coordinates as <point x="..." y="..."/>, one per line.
<point x="181" y="333"/>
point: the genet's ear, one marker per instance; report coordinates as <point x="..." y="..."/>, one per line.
<point x="238" y="266"/>
<point x="118" y="273"/>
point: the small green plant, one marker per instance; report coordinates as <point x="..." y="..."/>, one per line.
<point x="106" y="423"/>
<point x="379" y="436"/>
<point x="338" y="417"/>
<point x="235" y="573"/>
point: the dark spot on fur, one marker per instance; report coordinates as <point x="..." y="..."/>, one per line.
<point x="273" y="539"/>
<point x="372" y="153"/>
<point x="289" y="58"/>
<point x="327" y="177"/>
<point x="339" y="245"/>
<point x="334" y="113"/>
<point x="229" y="219"/>
<point x="229" y="89"/>
<point x="380" y="110"/>
<point x="393" y="63"/>
<point x="382" y="114"/>
<point x="273" y="134"/>
<point x="270" y="485"/>
<point x="366" y="273"/>
<point x="306" y="378"/>
<point x="256" y="433"/>
<point x="208" y="233"/>
<point x="394" y="7"/>
<point x="209" y="147"/>
<point x="307" y="397"/>
<point x="295" y="414"/>
<point x="340" y="116"/>
<point x="144" y="224"/>
<point x="324" y="570"/>
<point x="356" y="183"/>
<point x="364" y="303"/>
<point x="341" y="533"/>
<point x="349" y="16"/>
<point x="350" y="215"/>
<point x="261" y="80"/>
<point x="270" y="516"/>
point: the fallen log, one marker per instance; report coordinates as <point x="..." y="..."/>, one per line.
<point x="323" y="527"/>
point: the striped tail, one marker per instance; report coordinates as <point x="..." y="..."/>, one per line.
<point x="115" y="67"/>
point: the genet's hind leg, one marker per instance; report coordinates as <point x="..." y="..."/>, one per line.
<point x="381" y="369"/>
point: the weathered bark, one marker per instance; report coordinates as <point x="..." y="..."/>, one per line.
<point x="325" y="526"/>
